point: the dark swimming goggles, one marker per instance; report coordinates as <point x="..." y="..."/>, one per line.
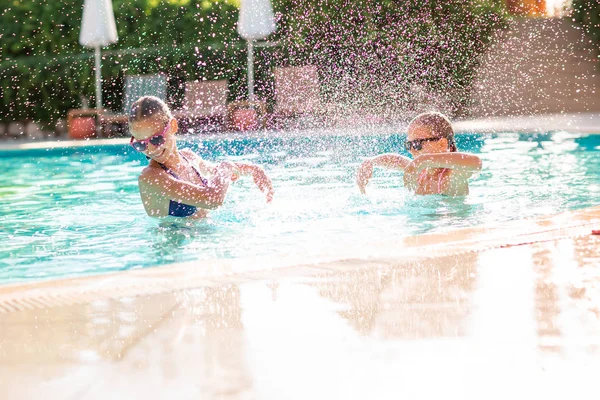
<point x="156" y="140"/>
<point x="417" y="144"/>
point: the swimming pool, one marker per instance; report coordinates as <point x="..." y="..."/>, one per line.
<point x="76" y="211"/>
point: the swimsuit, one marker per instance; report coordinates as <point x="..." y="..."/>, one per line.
<point x="177" y="209"/>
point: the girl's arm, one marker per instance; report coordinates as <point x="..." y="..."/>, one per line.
<point x="158" y="182"/>
<point x="206" y="168"/>
<point x="389" y="161"/>
<point x="260" y="178"/>
<point x="463" y="165"/>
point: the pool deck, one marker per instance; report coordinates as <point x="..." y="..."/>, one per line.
<point x="510" y="310"/>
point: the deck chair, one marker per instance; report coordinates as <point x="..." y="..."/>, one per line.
<point x="204" y="101"/>
<point x="297" y="91"/>
<point x="136" y="86"/>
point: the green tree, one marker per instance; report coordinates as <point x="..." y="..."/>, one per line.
<point x="361" y="47"/>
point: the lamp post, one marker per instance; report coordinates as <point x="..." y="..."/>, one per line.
<point x="256" y="22"/>
<point x="98" y="30"/>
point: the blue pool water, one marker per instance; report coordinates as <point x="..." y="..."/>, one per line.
<point x="76" y="211"/>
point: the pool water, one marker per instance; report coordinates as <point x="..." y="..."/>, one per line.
<point x="77" y="211"/>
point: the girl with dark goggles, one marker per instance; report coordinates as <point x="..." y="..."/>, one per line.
<point x="157" y="139"/>
<point x="417" y="144"/>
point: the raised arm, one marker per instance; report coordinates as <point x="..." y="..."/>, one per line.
<point x="258" y="174"/>
<point x="206" y="168"/>
<point x="389" y="161"/>
<point x="462" y="163"/>
<point x="463" y="166"/>
<point x="209" y="197"/>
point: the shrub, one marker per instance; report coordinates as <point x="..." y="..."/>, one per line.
<point x="587" y="14"/>
<point x="370" y="53"/>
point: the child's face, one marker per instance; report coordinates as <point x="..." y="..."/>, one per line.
<point x="422" y="140"/>
<point x="154" y="127"/>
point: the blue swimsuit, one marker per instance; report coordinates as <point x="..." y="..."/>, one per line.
<point x="177" y="209"/>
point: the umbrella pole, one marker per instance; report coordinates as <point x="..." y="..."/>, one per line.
<point x="250" y="70"/>
<point x="98" y="79"/>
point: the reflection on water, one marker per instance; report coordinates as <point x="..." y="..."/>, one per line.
<point x="568" y="296"/>
<point x="177" y="233"/>
<point x="209" y="324"/>
<point x="422" y="299"/>
<point x="442" y="213"/>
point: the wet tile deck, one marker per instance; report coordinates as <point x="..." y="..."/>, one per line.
<point x="511" y="311"/>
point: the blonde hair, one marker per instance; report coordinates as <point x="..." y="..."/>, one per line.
<point x="149" y="107"/>
<point x="439" y="124"/>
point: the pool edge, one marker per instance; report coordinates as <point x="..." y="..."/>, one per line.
<point x="588" y="123"/>
<point x="196" y="274"/>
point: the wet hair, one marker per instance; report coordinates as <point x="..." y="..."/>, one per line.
<point x="439" y="124"/>
<point x="149" y="107"/>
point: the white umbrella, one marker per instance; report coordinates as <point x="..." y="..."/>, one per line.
<point x="256" y="22"/>
<point x="98" y="30"/>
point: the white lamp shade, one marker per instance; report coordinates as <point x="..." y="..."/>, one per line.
<point x="98" y="27"/>
<point x="256" y="19"/>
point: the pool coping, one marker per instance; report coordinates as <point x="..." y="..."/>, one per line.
<point x="588" y="123"/>
<point x="575" y="122"/>
<point x="205" y="273"/>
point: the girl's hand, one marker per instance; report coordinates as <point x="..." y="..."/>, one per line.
<point x="264" y="183"/>
<point x="365" y="172"/>
<point x="258" y="174"/>
<point x="229" y="169"/>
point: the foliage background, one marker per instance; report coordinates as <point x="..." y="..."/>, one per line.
<point x="370" y="54"/>
<point x="587" y="14"/>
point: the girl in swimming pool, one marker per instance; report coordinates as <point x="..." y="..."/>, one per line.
<point x="436" y="168"/>
<point x="176" y="182"/>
